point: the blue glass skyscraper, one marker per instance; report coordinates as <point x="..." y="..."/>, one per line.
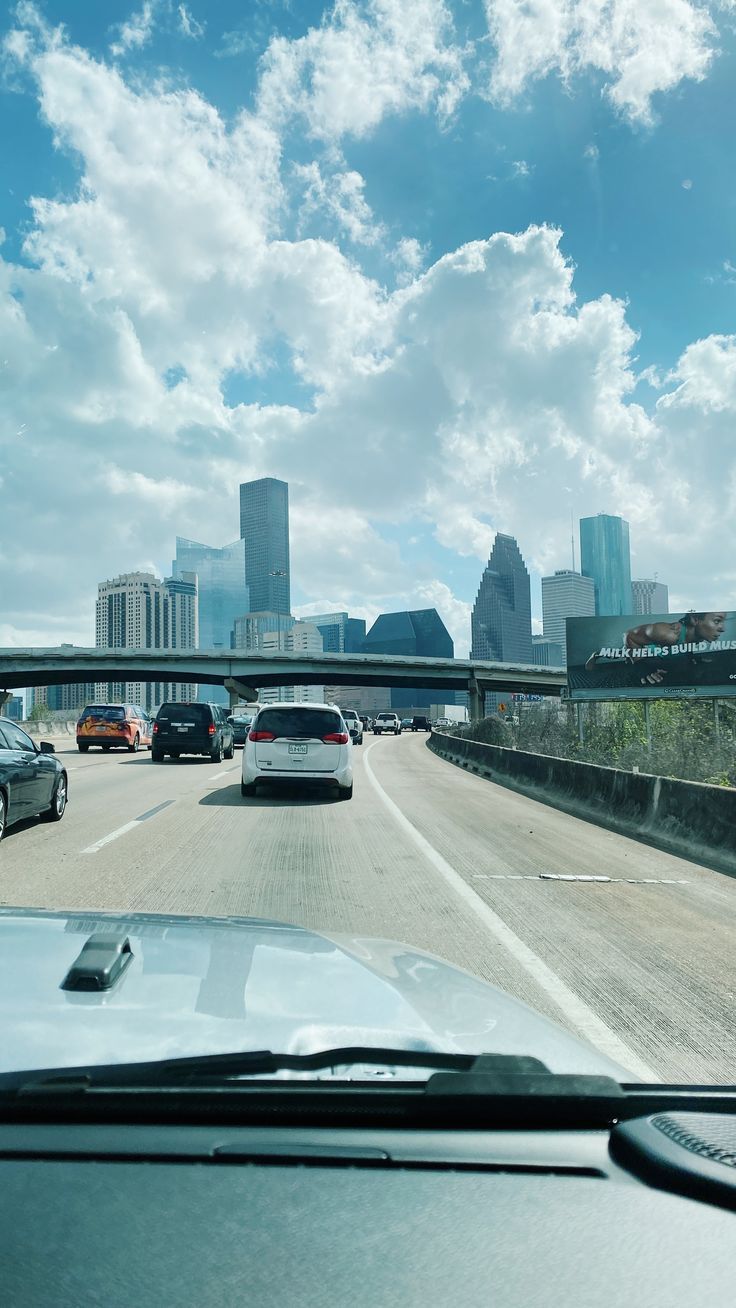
<point x="223" y="594"/>
<point x="264" y="527"/>
<point x="604" y="556"/>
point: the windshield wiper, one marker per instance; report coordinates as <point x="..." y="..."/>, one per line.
<point x="206" y="1068"/>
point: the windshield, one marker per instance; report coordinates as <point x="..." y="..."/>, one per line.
<point x="380" y="350"/>
<point x="199" y="714"/>
<point x="298" y="723"/>
<point x="103" y="713"/>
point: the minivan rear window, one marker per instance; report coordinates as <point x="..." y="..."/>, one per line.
<point x="302" y="723"/>
<point x="197" y="713"/>
<point x="107" y="712"/>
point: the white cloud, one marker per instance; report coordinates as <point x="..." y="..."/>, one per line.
<point x="137" y="31"/>
<point x="520" y="168"/>
<point x="638" y="47"/>
<point x="473" y="397"/>
<point x="339" y="197"/>
<point x="706" y="373"/>
<point x="370" y="59"/>
<point x="687" y="184"/>
<point x="188" y="25"/>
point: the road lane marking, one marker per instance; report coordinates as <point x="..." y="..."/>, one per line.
<point x="226" y="773"/>
<point x="575" y="1009"/>
<point x="561" y="876"/>
<point x="128" y="826"/>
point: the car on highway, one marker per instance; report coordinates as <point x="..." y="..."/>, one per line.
<point x="241" y="724"/>
<point x="386" y="722"/>
<point x="298" y="744"/>
<point x="444" y="722"/>
<point x="354" y="725"/>
<point x="199" y="728"/>
<point x="32" y="780"/>
<point x="406" y="724"/>
<point x="114" y="726"/>
<point x="420" y="723"/>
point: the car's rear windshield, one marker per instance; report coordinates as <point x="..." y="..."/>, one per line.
<point x="105" y="712"/>
<point x="199" y="714"/>
<point x="387" y="715"/>
<point x="348" y="713"/>
<point x="240" y="721"/>
<point x="304" y="723"/>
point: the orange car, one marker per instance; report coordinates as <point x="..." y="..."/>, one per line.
<point x="114" y="726"/>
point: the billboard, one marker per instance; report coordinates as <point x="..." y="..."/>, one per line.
<point x="652" y="656"/>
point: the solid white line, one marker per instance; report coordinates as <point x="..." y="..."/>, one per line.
<point x="574" y="1008"/>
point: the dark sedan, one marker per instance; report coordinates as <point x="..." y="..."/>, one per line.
<point x="32" y="780"/>
<point x="241" y="724"/>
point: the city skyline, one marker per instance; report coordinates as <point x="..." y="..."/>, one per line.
<point x="224" y="562"/>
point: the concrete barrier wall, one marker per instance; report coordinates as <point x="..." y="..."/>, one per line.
<point x="687" y="818"/>
<point x="50" y="730"/>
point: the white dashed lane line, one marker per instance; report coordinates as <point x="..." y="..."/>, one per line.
<point x="128" y="826"/>
<point x="595" y="880"/>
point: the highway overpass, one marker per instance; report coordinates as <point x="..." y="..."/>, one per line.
<point x="243" y="672"/>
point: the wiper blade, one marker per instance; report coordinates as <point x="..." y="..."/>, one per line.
<point x="203" y="1068"/>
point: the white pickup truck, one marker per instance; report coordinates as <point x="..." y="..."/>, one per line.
<point x="386" y="722"/>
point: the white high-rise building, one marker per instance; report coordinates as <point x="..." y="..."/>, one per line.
<point x="649" y="596"/>
<point x="301" y="638"/>
<point x="138" y="611"/>
<point x="566" y="594"/>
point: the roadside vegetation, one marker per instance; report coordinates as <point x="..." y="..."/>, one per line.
<point x="685" y="740"/>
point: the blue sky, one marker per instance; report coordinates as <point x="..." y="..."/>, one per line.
<point x="317" y="241"/>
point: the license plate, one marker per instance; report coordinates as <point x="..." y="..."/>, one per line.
<point x="298" y="749"/>
<point x="182" y="729"/>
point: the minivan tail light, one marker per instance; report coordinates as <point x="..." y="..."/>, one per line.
<point x="155" y="728"/>
<point x="261" y="735"/>
<point x="336" y="738"/>
<point x="211" y="729"/>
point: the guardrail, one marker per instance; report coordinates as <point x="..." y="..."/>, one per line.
<point x="687" y="818"/>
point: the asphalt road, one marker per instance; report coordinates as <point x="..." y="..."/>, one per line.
<point x="642" y="965"/>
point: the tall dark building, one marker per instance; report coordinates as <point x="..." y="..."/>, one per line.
<point x="501" y="623"/>
<point x="604" y="556"/>
<point x="354" y="635"/>
<point x="420" y="632"/>
<point x="264" y="526"/>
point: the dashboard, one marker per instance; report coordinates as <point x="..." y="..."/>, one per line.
<point x="224" y="1214"/>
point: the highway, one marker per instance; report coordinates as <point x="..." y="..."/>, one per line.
<point x="643" y="965"/>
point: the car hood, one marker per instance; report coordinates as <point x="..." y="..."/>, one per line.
<point x="216" y="985"/>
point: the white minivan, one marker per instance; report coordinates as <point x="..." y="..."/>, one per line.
<point x="289" y="743"/>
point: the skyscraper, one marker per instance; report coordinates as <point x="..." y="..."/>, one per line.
<point x="420" y="631"/>
<point x="547" y="653"/>
<point x="566" y="594"/>
<point x="340" y="633"/>
<point x="222" y="592"/>
<point x="604" y="556"/>
<point x="649" y="596"/>
<point x="137" y="611"/>
<point x="501" y="622"/>
<point x="264" y="526"/>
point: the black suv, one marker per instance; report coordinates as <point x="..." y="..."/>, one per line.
<point x="420" y="723"/>
<point x="192" y="729"/>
